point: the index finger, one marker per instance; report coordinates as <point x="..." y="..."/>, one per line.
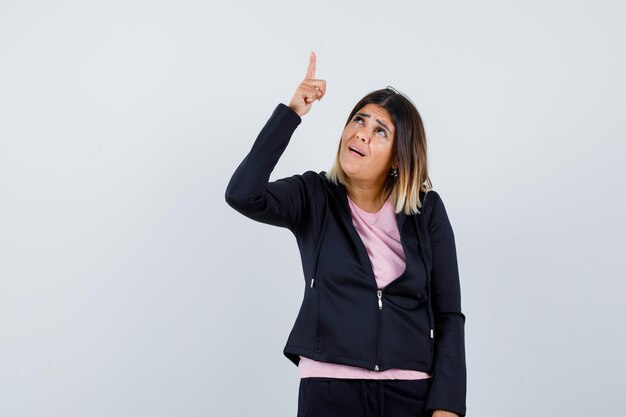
<point x="310" y="72"/>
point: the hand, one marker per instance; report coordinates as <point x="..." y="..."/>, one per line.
<point x="308" y="91"/>
<point x="444" y="413"/>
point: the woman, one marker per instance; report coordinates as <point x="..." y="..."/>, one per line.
<point x="380" y="330"/>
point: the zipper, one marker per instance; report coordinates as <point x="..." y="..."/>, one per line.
<point x="377" y="359"/>
<point x="379" y="294"/>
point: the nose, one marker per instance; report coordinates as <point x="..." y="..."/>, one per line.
<point x="362" y="135"/>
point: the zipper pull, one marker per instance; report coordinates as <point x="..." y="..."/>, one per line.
<point x="432" y="334"/>
<point x="312" y="281"/>
<point x="379" y="294"/>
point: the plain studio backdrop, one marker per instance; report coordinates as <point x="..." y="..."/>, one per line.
<point x="128" y="287"/>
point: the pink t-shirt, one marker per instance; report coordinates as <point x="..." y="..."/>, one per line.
<point x="379" y="232"/>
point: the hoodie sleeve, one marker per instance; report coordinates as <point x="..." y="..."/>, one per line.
<point x="448" y="389"/>
<point x="249" y="191"/>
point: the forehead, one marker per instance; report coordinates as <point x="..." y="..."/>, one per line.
<point x="377" y="112"/>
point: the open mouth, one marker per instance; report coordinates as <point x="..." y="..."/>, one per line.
<point x="355" y="151"/>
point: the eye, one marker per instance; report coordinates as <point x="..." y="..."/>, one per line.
<point x="380" y="129"/>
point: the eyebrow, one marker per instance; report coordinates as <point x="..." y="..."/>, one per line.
<point x="378" y="120"/>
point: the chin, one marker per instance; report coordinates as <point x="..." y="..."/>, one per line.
<point x="346" y="168"/>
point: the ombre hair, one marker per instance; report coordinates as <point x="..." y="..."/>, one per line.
<point x="409" y="150"/>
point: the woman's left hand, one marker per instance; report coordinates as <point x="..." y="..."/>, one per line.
<point x="444" y="413"/>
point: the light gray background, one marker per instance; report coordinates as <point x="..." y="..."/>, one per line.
<point x="128" y="287"/>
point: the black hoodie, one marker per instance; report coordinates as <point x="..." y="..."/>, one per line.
<point x="415" y="322"/>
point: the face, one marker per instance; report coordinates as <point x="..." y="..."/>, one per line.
<point x="373" y="134"/>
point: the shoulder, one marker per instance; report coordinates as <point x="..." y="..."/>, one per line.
<point x="309" y="182"/>
<point x="434" y="209"/>
<point x="312" y="178"/>
<point x="437" y="219"/>
<point x="312" y="181"/>
<point x="430" y="199"/>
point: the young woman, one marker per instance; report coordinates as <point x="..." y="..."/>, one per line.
<point x="380" y="330"/>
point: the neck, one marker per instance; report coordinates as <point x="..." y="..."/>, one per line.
<point x="368" y="197"/>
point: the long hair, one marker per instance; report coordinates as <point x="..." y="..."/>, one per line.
<point x="409" y="149"/>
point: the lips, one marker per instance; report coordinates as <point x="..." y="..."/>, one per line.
<point x="356" y="150"/>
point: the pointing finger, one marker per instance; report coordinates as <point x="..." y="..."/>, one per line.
<point x="310" y="73"/>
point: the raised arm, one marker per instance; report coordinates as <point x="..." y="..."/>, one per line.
<point x="249" y="190"/>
